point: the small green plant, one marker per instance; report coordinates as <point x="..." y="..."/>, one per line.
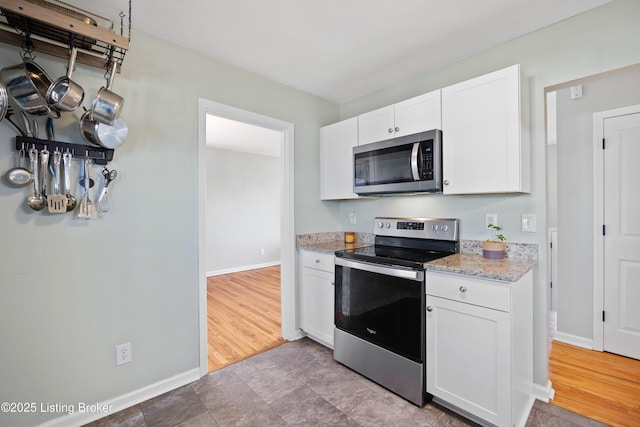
<point x="495" y="235"/>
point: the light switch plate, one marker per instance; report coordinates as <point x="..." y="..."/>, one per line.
<point x="528" y="223"/>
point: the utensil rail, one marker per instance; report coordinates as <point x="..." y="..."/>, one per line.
<point x="100" y="155"/>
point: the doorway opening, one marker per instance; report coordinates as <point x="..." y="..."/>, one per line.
<point x="284" y="230"/>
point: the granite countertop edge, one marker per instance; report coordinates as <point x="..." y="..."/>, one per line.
<point x="520" y="259"/>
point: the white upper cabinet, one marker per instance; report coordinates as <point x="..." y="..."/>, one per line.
<point x="414" y="115"/>
<point x="336" y="159"/>
<point x="485" y="134"/>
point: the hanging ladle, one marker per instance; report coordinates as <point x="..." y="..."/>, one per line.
<point x="36" y="201"/>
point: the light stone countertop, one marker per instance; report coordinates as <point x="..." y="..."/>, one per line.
<point x="507" y="269"/>
<point x="521" y="257"/>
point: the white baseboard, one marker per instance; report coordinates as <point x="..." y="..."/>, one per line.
<point x="543" y="393"/>
<point x="243" y="268"/>
<point x="573" y="340"/>
<point x="126" y="400"/>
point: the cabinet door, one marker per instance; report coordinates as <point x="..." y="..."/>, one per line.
<point x="317" y="305"/>
<point x="336" y="159"/>
<point x="376" y="125"/>
<point x="418" y="114"/>
<point x="468" y="358"/>
<point x="481" y="124"/>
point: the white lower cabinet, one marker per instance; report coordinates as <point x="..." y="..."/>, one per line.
<point x="317" y="296"/>
<point x="480" y="347"/>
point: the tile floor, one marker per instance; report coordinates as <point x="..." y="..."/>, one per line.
<point x="299" y="384"/>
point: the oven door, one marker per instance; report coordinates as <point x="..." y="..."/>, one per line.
<point x="382" y="305"/>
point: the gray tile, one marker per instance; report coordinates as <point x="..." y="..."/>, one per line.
<point x="304" y="407"/>
<point x="203" y="420"/>
<point x="218" y="378"/>
<point x="172" y="408"/>
<point x="130" y="417"/>
<point x="556" y="416"/>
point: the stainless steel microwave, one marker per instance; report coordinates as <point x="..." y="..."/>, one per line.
<point x="407" y="164"/>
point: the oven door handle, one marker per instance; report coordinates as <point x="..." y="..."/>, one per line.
<point x="400" y="272"/>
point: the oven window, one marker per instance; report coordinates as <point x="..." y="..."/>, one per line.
<point x="384" y="310"/>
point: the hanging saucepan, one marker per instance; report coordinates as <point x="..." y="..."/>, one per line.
<point x="4" y="100"/>
<point x="107" y="105"/>
<point x="27" y="83"/>
<point x="64" y="94"/>
<point x="101" y="134"/>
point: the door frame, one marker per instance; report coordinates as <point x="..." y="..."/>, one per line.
<point x="598" y="218"/>
<point x="288" y="295"/>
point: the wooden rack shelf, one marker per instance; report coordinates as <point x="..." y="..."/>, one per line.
<point x="51" y="32"/>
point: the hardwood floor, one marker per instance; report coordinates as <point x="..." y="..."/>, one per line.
<point x="243" y="315"/>
<point x="601" y="386"/>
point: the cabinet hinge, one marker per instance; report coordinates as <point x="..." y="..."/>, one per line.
<point x="551" y="284"/>
<point x="603" y="143"/>
<point x="603" y="315"/>
<point x="604" y="230"/>
<point x="551" y="245"/>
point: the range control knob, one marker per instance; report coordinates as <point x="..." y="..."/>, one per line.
<point x="445" y="228"/>
<point x="380" y="224"/>
<point x="435" y="227"/>
<point x="388" y="225"/>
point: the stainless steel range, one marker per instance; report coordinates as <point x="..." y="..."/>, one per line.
<point x="380" y="302"/>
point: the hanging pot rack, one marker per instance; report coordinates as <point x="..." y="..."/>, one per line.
<point x="52" y="32"/>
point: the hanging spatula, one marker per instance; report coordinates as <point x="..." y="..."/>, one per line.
<point x="56" y="202"/>
<point x="86" y="209"/>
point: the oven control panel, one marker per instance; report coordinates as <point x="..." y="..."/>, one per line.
<point x="419" y="228"/>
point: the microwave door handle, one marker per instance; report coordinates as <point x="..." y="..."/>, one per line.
<point x="414" y="161"/>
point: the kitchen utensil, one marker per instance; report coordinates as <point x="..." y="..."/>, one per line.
<point x="19" y="176"/>
<point x="7" y="116"/>
<point x="104" y="205"/>
<point x="56" y="202"/>
<point x="66" y="163"/>
<point x="27" y="124"/>
<point x="50" y="134"/>
<point x="101" y="134"/>
<point x="65" y="94"/>
<point x="27" y="84"/>
<point x="35" y="201"/>
<point x="87" y="209"/>
<point x="44" y="171"/>
<point x="107" y="105"/>
<point x="35" y="129"/>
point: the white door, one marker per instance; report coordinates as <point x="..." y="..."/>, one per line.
<point x="622" y="235"/>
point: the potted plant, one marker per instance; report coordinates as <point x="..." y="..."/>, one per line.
<point x="495" y="247"/>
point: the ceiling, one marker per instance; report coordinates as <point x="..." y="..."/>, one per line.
<point x="339" y="50"/>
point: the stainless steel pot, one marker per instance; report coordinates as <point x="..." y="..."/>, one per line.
<point x="107" y="105"/>
<point x="4" y="100"/>
<point x="27" y="83"/>
<point x="64" y="94"/>
<point x="101" y="134"/>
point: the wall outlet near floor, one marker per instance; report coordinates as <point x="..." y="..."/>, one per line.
<point x="490" y="219"/>
<point x="123" y="353"/>
<point x="261" y="251"/>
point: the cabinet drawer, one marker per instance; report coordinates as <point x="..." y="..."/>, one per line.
<point x="318" y="261"/>
<point x="485" y="293"/>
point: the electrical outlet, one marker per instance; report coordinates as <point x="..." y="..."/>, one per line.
<point x="528" y="223"/>
<point x="576" y="92"/>
<point x="490" y="219"/>
<point x="261" y="251"/>
<point x="123" y="353"/>
<point x="352" y="217"/>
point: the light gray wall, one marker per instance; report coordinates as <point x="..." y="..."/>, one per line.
<point x="575" y="191"/>
<point x="70" y="290"/>
<point x="603" y="39"/>
<point x="243" y="209"/>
